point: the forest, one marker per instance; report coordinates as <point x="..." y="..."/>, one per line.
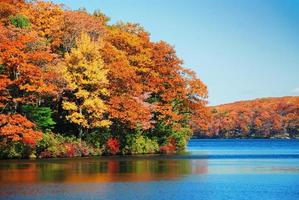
<point x="71" y="84"/>
<point x="260" y="118"/>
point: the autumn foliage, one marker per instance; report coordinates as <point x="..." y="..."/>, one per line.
<point x="109" y="89"/>
<point x="266" y="117"/>
<point x="113" y="146"/>
<point x="18" y="128"/>
<point x="94" y="81"/>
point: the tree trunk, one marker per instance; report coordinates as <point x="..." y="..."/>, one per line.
<point x="80" y="132"/>
<point x="80" y="127"/>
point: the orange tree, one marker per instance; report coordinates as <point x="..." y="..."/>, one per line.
<point x="150" y="88"/>
<point x="23" y="59"/>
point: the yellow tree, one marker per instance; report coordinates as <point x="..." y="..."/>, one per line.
<point x="87" y="81"/>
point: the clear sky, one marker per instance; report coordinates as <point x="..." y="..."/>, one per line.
<point x="242" y="49"/>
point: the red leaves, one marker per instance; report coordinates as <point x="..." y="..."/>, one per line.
<point x="113" y="145"/>
<point x="15" y="127"/>
<point x="170" y="147"/>
<point x="70" y="150"/>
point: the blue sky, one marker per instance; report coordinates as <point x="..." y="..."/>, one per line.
<point x="242" y="49"/>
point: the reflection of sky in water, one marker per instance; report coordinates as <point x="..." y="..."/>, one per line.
<point x="210" y="170"/>
<point x="255" y="145"/>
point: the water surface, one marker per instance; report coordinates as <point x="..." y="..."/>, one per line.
<point x="211" y="170"/>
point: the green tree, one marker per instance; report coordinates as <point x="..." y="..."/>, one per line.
<point x="20" y="21"/>
<point x="42" y="116"/>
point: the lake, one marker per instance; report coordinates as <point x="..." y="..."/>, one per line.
<point x="210" y="170"/>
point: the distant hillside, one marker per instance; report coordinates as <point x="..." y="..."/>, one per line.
<point x="259" y="118"/>
<point x="268" y="100"/>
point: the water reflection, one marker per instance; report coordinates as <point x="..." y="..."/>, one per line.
<point x="98" y="170"/>
<point x="213" y="169"/>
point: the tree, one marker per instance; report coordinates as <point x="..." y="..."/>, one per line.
<point x="15" y="127"/>
<point x="127" y="102"/>
<point x="19" y="21"/>
<point x="148" y="84"/>
<point x="76" y="22"/>
<point x="40" y="115"/>
<point x="87" y="81"/>
<point x="46" y="19"/>
<point x="23" y="59"/>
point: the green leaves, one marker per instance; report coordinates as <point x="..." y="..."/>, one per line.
<point x="40" y="115"/>
<point x="1" y="68"/>
<point x="19" y="21"/>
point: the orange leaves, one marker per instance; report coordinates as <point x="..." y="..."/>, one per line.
<point x="131" y="111"/>
<point x="6" y="10"/>
<point x="260" y="117"/>
<point x="126" y="42"/>
<point x="46" y="20"/>
<point x="140" y="67"/>
<point x="23" y="58"/>
<point x="127" y="103"/>
<point x="181" y="92"/>
<point x="77" y="22"/>
<point x="5" y="96"/>
<point x="196" y="88"/>
<point x="15" y="127"/>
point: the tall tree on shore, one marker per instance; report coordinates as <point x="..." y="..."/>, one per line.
<point x="87" y="83"/>
<point x="23" y="59"/>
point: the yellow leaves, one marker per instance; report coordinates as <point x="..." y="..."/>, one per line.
<point x="104" y="123"/>
<point x="94" y="105"/>
<point x="70" y="106"/>
<point x="77" y="118"/>
<point x="85" y="46"/>
<point x="124" y="41"/>
<point x="84" y="64"/>
<point x="82" y="94"/>
<point x="87" y="78"/>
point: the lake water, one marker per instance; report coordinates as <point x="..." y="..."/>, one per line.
<point x="210" y="170"/>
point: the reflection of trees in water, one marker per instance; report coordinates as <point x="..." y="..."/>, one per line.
<point x="200" y="166"/>
<point x="99" y="170"/>
<point x="18" y="173"/>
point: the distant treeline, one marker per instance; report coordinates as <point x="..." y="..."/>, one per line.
<point x="260" y="118"/>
